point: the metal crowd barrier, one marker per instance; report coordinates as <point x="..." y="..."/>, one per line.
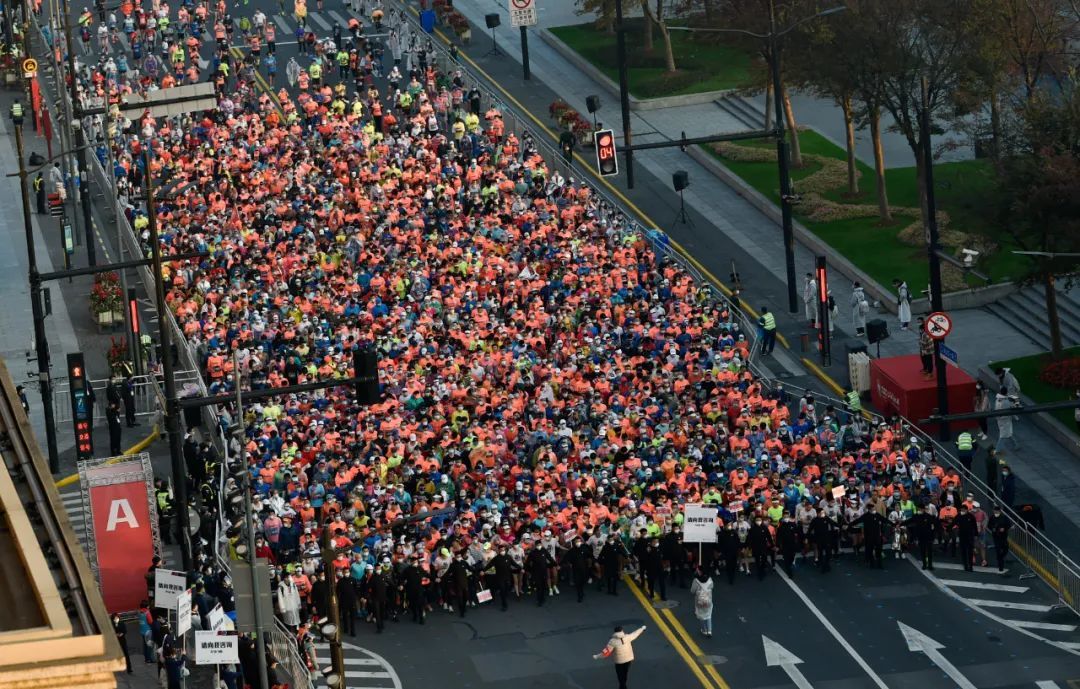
<point x="149" y="402"/>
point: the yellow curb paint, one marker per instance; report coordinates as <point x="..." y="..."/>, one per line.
<point x="134" y="449"/>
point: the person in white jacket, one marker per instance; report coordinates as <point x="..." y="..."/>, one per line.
<point x="620" y="648"/>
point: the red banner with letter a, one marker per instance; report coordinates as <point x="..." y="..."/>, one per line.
<point x="123" y="525"/>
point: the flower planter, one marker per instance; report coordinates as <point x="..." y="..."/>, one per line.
<point x="104" y="318"/>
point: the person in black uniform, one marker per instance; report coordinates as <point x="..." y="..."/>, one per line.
<point x="787" y="537"/>
<point x="413" y="588"/>
<point x="641" y="545"/>
<point x="502" y="568"/>
<point x="761" y="546"/>
<point x="127" y="392"/>
<point x="610" y="559"/>
<point x="539" y="562"/>
<point x="999" y="526"/>
<point x="320" y="594"/>
<point x="674" y="553"/>
<point x="112" y="415"/>
<point x="874" y="527"/>
<point x="729" y="547"/>
<point x="967" y="530"/>
<point x="924" y="526"/>
<point x="821" y="529"/>
<point x="39" y="192"/>
<point x="457" y="577"/>
<point x="347" y="600"/>
<point x="653" y="565"/>
<point x="579" y="558"/>
<point x="120" y="627"/>
<point x="380" y="599"/>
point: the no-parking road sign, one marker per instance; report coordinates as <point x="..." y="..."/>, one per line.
<point x="522" y="12"/>
<point x="938" y="325"/>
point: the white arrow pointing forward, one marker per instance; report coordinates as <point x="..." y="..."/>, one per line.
<point x="775" y="654"/>
<point x="917" y="642"/>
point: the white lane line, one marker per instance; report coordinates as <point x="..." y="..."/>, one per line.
<point x="832" y="630"/>
<point x="958" y="567"/>
<point x="389" y="668"/>
<point x="1008" y="605"/>
<point x="1048" y="626"/>
<point x="1067" y="646"/>
<point x="1005" y="588"/>
<point x="357" y="674"/>
<point x="338" y="20"/>
<point x="360" y="661"/>
<point x="319" y="20"/>
<point x="283" y="25"/>
<point x="1047" y="684"/>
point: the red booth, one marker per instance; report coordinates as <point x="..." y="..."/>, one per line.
<point x="897" y="386"/>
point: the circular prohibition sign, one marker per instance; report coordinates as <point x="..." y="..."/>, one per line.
<point x="521" y="4"/>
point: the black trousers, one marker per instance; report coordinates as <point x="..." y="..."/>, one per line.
<point x="789" y="560"/>
<point x="622" y="672"/>
<point x="348" y="619"/>
<point x="874" y="553"/>
<point x="504" y="592"/>
<point x="1001" y="550"/>
<point x="612" y="581"/>
<point x="926" y="552"/>
<point x="579" y="585"/>
<point x="653" y="580"/>
<point x="967" y="554"/>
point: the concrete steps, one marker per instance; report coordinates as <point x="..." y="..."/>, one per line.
<point x="1025" y="311"/>
<point x="743" y="110"/>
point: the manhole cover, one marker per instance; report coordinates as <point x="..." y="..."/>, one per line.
<point x="665" y="604"/>
<point x="712" y="660"/>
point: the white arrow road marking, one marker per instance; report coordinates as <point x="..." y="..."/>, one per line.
<point x="917" y="642"/>
<point x="1005" y="588"/>
<point x="832" y="630"/>
<point x="775" y="655"/>
<point x="1009" y="605"/>
<point x="1047" y="684"/>
<point x="1048" y="626"/>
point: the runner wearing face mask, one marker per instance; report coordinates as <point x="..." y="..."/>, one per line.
<point x="729" y="548"/>
<point x="761" y="545"/>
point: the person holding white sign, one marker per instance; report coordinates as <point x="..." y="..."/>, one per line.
<point x="702" y="591"/>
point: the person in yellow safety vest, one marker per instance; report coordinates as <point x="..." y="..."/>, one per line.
<point x="176" y="54"/>
<point x="343" y="63"/>
<point x="854" y="402"/>
<point x="223" y="69"/>
<point x="86" y="19"/>
<point x="767" y="323"/>
<point x="315" y="72"/>
<point x="965" y="449"/>
<point x="472" y="123"/>
<point x="458" y="130"/>
<point x="357" y="107"/>
<point x="17" y="113"/>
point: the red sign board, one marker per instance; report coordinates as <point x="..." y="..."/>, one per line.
<point x="124" y="540"/>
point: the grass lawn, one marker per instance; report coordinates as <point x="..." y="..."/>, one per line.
<point x="701" y="66"/>
<point x="961" y="188"/>
<point x="1026" y="369"/>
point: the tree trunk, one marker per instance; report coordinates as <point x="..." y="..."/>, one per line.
<point x="879" y="165"/>
<point x="768" y="105"/>
<point x="648" y="47"/>
<point x="849" y="141"/>
<point x="793" y="131"/>
<point x="607" y="17"/>
<point x="995" y="126"/>
<point x="669" y="53"/>
<point x="710" y="10"/>
<point x="1050" y="288"/>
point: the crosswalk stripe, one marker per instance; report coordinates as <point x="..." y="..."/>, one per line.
<point x="338" y="19"/>
<point x="319" y="20"/>
<point x="1047" y="684"/>
<point x="957" y="583"/>
<point x="1048" y="626"/>
<point x="959" y="567"/>
<point x="360" y="661"/>
<point x="283" y="25"/>
<point x="1071" y="645"/>
<point x="1030" y="607"/>
<point x="203" y="63"/>
<point x="355" y="674"/>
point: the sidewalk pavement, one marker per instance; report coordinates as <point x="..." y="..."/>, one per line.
<point x="727" y="228"/>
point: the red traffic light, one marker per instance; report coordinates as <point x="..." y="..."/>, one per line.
<point x="607" y="161"/>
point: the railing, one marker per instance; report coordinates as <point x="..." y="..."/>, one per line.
<point x="149" y="401"/>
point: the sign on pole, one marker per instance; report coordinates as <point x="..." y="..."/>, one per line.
<point x="168" y="585"/>
<point x="700" y="524"/>
<point x="949" y="355"/>
<point x="938" y="325"/>
<point x="183" y="613"/>
<point x="216" y="648"/>
<point x="522" y="12"/>
<point x="246" y="599"/>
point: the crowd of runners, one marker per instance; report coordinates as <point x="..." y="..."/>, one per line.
<point x="553" y="391"/>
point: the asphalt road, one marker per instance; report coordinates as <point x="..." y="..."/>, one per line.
<point x="840" y="630"/>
